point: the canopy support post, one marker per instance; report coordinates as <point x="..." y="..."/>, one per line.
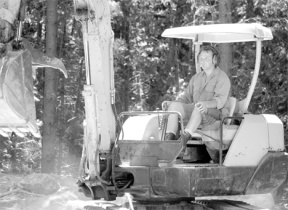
<point x="255" y="76"/>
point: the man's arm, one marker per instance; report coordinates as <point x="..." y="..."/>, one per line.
<point x="203" y="106"/>
<point x="221" y="90"/>
<point x="210" y="104"/>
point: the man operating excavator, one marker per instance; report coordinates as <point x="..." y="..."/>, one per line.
<point x="204" y="100"/>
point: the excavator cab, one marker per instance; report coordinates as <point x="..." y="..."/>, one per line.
<point x="220" y="134"/>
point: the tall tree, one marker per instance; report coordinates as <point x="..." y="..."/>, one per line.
<point x="249" y="9"/>
<point x="61" y="113"/>
<point x="225" y="48"/>
<point x="50" y="92"/>
<point x="125" y="6"/>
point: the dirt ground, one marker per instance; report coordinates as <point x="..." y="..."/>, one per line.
<point x="52" y="192"/>
<point x="14" y="196"/>
<point x="16" y="193"/>
<point x="281" y="201"/>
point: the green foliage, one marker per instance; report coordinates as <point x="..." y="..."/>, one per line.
<point x="19" y="155"/>
<point x="145" y="54"/>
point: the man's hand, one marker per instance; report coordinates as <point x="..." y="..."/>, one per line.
<point x="165" y="105"/>
<point x="202" y="107"/>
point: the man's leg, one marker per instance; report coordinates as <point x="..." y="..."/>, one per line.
<point x="172" y="125"/>
<point x="197" y="118"/>
<point x="194" y="122"/>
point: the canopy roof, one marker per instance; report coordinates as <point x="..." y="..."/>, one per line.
<point x="221" y="33"/>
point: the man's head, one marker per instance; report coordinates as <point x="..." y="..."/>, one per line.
<point x="208" y="57"/>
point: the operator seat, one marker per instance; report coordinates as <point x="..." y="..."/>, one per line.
<point x="211" y="134"/>
<point x="206" y="139"/>
<point x="232" y="105"/>
<point x="241" y="106"/>
<point x="214" y="129"/>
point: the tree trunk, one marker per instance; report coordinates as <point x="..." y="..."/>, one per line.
<point x="73" y="27"/>
<point x="249" y="9"/>
<point x="39" y="23"/>
<point x="173" y="62"/>
<point x="128" y="71"/>
<point x="50" y="93"/>
<point x="13" y="153"/>
<point x="61" y="123"/>
<point x="61" y="112"/>
<point x="2" y="147"/>
<point x="225" y="49"/>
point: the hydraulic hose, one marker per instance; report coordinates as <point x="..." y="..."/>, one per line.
<point x="115" y="146"/>
<point x="96" y="168"/>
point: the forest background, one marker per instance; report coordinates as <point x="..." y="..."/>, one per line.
<point x="148" y="68"/>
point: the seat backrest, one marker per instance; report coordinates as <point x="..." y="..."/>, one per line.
<point x="241" y="106"/>
<point x="232" y="106"/>
<point x="229" y="131"/>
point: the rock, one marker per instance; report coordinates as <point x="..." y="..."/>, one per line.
<point x="40" y="184"/>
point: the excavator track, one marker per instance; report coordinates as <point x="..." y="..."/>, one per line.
<point x="182" y="205"/>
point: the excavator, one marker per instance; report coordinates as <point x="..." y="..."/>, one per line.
<point x="127" y="154"/>
<point x="137" y="160"/>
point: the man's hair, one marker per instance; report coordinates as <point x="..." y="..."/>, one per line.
<point x="215" y="53"/>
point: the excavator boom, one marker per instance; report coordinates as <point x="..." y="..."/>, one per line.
<point x="99" y="92"/>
